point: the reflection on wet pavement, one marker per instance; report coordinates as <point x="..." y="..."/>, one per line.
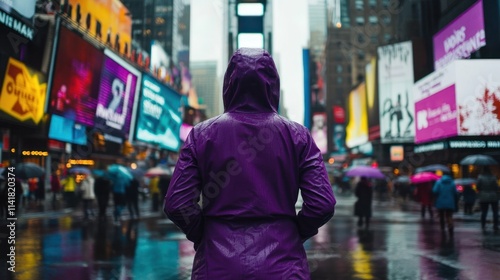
<point x="397" y="246"/>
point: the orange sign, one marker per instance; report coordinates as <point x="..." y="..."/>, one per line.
<point x="23" y="94"/>
<point x="107" y="20"/>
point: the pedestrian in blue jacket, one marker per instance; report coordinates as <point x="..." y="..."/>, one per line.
<point x="445" y="192"/>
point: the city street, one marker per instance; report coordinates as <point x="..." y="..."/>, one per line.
<point x="398" y="245"/>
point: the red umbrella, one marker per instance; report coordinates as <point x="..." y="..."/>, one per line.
<point x="424" y="177"/>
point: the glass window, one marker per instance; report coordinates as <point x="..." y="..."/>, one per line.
<point x="339" y="80"/>
<point x="359" y="5"/>
<point x="360" y="20"/>
<point x="387" y="37"/>
<point x="373" y="19"/>
<point x="361" y="55"/>
<point x="374" y="39"/>
<point x="361" y="38"/>
<point x="339" y="68"/>
<point x="372" y="3"/>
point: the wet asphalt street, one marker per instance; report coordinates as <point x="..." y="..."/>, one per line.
<point x="398" y="245"/>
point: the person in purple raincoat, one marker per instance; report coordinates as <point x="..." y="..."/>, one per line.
<point x="238" y="176"/>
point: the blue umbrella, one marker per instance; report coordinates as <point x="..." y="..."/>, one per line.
<point x="120" y="171"/>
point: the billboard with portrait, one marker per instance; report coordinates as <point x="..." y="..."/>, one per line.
<point x="23" y="92"/>
<point x="318" y="131"/>
<point x="76" y="78"/>
<point x="395" y="84"/>
<point x="461" y="37"/>
<point x="372" y="100"/>
<point x="117" y="94"/>
<point x="106" y="20"/>
<point x="158" y="115"/>
<point x="357" y="127"/>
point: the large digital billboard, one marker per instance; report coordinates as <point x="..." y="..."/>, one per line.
<point x="23" y="92"/>
<point x="372" y="100"/>
<point x="117" y="94"/>
<point x="462" y="98"/>
<point x="460" y="38"/>
<point x="357" y="127"/>
<point x="106" y="20"/>
<point x="18" y="15"/>
<point x="395" y="84"/>
<point x="67" y="130"/>
<point x="158" y="116"/>
<point x="76" y="78"/>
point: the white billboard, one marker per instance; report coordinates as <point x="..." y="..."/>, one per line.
<point x="395" y="82"/>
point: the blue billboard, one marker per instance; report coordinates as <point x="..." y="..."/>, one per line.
<point x="158" y="115"/>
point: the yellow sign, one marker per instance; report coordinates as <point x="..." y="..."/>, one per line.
<point x="106" y="20"/>
<point x="23" y="95"/>
<point x="357" y="128"/>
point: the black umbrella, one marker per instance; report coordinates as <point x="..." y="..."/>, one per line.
<point x="26" y="170"/>
<point x="478" y="160"/>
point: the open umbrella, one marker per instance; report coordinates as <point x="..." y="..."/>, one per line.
<point x="478" y="160"/>
<point x="120" y="171"/>
<point x="402" y="179"/>
<point x="157" y="171"/>
<point x="433" y="168"/>
<point x="424" y="177"/>
<point x="465" y="181"/>
<point x="365" y="171"/>
<point x="26" y="170"/>
<point x="80" y="170"/>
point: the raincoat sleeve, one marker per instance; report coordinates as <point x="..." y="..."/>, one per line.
<point x="317" y="194"/>
<point x="181" y="201"/>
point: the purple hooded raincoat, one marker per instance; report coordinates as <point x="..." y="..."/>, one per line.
<point x="237" y="180"/>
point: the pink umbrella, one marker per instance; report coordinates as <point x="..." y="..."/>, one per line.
<point x="424" y="177"/>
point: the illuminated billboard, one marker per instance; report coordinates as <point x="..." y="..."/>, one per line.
<point x="23" y="93"/>
<point x="117" y="94"/>
<point x="76" y="78"/>
<point x="463" y="98"/>
<point x="158" y="116"/>
<point x="357" y="127"/>
<point x="18" y="15"/>
<point x="395" y="84"/>
<point x="67" y="130"/>
<point x="461" y="37"/>
<point x="107" y="20"/>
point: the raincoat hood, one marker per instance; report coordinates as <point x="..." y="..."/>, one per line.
<point x="251" y="82"/>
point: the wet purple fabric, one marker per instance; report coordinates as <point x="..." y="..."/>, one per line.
<point x="235" y="185"/>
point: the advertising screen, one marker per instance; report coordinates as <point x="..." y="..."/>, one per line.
<point x="75" y="83"/>
<point x="106" y="20"/>
<point x="395" y="84"/>
<point x="478" y="96"/>
<point x="115" y="105"/>
<point x="158" y="116"/>
<point x="318" y="131"/>
<point x="372" y="100"/>
<point x="18" y="15"/>
<point x="67" y="130"/>
<point x="23" y="93"/>
<point x="463" y="36"/>
<point x="185" y="130"/>
<point x="357" y="127"/>
<point x="435" y="105"/>
<point x="463" y="98"/>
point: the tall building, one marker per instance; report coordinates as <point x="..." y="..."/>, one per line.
<point x="205" y="81"/>
<point x="164" y="21"/>
<point x="355" y="30"/>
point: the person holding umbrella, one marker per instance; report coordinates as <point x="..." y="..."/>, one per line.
<point x="425" y="197"/>
<point x="488" y="193"/>
<point x="363" y="206"/>
<point x="445" y="192"/>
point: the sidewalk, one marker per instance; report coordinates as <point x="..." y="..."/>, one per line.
<point x="50" y="210"/>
